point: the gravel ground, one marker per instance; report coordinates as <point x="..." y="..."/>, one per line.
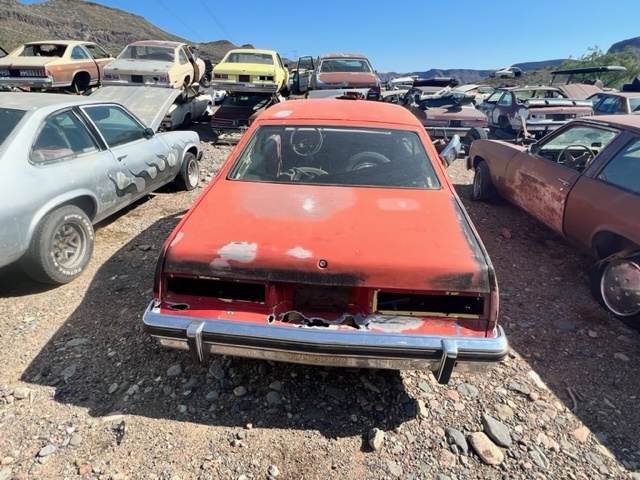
<point x="84" y="393"/>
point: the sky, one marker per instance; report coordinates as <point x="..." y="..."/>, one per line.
<point x="408" y="37"/>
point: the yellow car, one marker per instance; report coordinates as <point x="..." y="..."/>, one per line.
<point x="252" y="70"/>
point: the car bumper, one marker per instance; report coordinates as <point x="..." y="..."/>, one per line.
<point x="36" y="82"/>
<point x="245" y="87"/>
<point x="320" y="346"/>
<point x="447" y="132"/>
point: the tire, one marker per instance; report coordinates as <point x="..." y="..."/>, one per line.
<point x="615" y="284"/>
<point x="473" y="134"/>
<point x="285" y="92"/>
<point x="483" y="188"/>
<point x="79" y="84"/>
<point x="187" y="120"/>
<point x="61" y="246"/>
<point x="205" y="82"/>
<point x="189" y="175"/>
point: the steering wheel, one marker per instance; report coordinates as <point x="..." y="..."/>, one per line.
<point x="365" y="160"/>
<point x="306" y="141"/>
<point x="297" y="174"/>
<point x="576" y="161"/>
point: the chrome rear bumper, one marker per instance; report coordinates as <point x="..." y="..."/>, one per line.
<point x="322" y="346"/>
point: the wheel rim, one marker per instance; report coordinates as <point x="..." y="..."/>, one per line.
<point x="193" y="173"/>
<point x="620" y="287"/>
<point x="69" y="245"/>
<point x="477" y="181"/>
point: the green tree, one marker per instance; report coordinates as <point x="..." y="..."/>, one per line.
<point x="597" y="58"/>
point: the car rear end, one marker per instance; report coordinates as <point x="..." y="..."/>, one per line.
<point x="298" y="272"/>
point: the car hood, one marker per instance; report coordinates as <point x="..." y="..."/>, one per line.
<point x="138" y="67"/>
<point x="346" y="79"/>
<point x="149" y="104"/>
<point x="386" y="238"/>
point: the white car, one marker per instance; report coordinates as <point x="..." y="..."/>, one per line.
<point x="70" y="161"/>
<point x="506" y="72"/>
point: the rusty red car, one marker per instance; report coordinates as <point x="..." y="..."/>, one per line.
<point x="582" y="181"/>
<point x="331" y="236"/>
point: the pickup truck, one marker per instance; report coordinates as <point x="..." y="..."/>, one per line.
<point x="68" y="65"/>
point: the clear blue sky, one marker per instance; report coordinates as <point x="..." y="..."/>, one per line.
<point x="408" y="36"/>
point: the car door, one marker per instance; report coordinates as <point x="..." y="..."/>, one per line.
<point x="489" y="105"/>
<point x="607" y="197"/>
<point x="304" y="71"/>
<point x="100" y="56"/>
<point x="146" y="161"/>
<point x="83" y="61"/>
<point x="71" y="162"/>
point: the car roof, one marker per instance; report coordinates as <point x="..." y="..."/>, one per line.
<point x="159" y="43"/>
<point x="342" y="55"/>
<point x="252" y="50"/>
<point x="35" y="100"/>
<point x="619" y="94"/>
<point x="342" y="111"/>
<point x="61" y="42"/>
<point x="624" y="122"/>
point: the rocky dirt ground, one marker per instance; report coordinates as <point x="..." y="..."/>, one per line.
<point x="84" y="393"/>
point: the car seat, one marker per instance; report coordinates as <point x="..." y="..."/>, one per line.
<point x="272" y="152"/>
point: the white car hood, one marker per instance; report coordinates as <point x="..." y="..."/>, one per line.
<point x="149" y="104"/>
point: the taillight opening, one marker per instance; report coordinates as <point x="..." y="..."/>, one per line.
<point x="430" y="304"/>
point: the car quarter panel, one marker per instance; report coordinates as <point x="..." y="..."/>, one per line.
<point x="497" y="154"/>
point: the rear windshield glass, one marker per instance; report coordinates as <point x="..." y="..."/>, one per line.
<point x="248" y="57"/>
<point x="9" y="118"/>
<point x="336" y="156"/>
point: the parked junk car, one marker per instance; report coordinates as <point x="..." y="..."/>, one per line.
<point x="252" y="70"/>
<point x="413" y="289"/>
<point x="447" y="113"/>
<point x="543" y="109"/>
<point x="615" y="103"/>
<point x="71" y="161"/>
<point x="237" y="111"/>
<point x="479" y="92"/>
<point x="157" y="63"/>
<point x="339" y="71"/>
<point x="54" y="65"/>
<point x="506" y="72"/>
<point x="582" y="181"/>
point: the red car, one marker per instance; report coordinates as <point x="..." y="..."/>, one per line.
<point x="331" y="236"/>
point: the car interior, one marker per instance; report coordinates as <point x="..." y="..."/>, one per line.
<point x="336" y="156"/>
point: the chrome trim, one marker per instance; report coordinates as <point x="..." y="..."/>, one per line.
<point x="324" y="346"/>
<point x="232" y="86"/>
<point x="39" y="82"/>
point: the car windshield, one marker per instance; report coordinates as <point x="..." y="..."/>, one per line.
<point x="145" y="52"/>
<point x="344" y="65"/>
<point x="249" y="57"/>
<point x="251" y="100"/>
<point x="322" y="155"/>
<point x="594" y="138"/>
<point x="43" y="50"/>
<point x="9" y="118"/>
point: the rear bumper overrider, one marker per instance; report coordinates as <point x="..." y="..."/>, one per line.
<point x="323" y="346"/>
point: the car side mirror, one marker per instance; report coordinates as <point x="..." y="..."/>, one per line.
<point x="534" y="148"/>
<point x="448" y="155"/>
<point x="148" y="133"/>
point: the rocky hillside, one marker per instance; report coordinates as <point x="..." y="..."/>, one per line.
<point x="109" y="27"/>
<point x="633" y="43"/>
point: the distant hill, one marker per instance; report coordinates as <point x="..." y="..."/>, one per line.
<point x="110" y="28"/>
<point x="633" y="43"/>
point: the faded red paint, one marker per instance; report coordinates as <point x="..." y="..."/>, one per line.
<point x="408" y="240"/>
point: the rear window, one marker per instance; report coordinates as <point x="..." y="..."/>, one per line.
<point x="248" y="57"/>
<point x="322" y="155"/>
<point x="345" y="65"/>
<point x="9" y="118"/>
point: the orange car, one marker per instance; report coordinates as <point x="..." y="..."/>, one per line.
<point x="331" y="236"/>
<point x="53" y="65"/>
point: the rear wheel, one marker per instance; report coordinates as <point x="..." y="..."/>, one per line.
<point x="189" y="175"/>
<point x="615" y="284"/>
<point x="80" y="83"/>
<point x="61" y="246"/>
<point x="503" y="123"/>
<point x="473" y="134"/>
<point x="483" y="188"/>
